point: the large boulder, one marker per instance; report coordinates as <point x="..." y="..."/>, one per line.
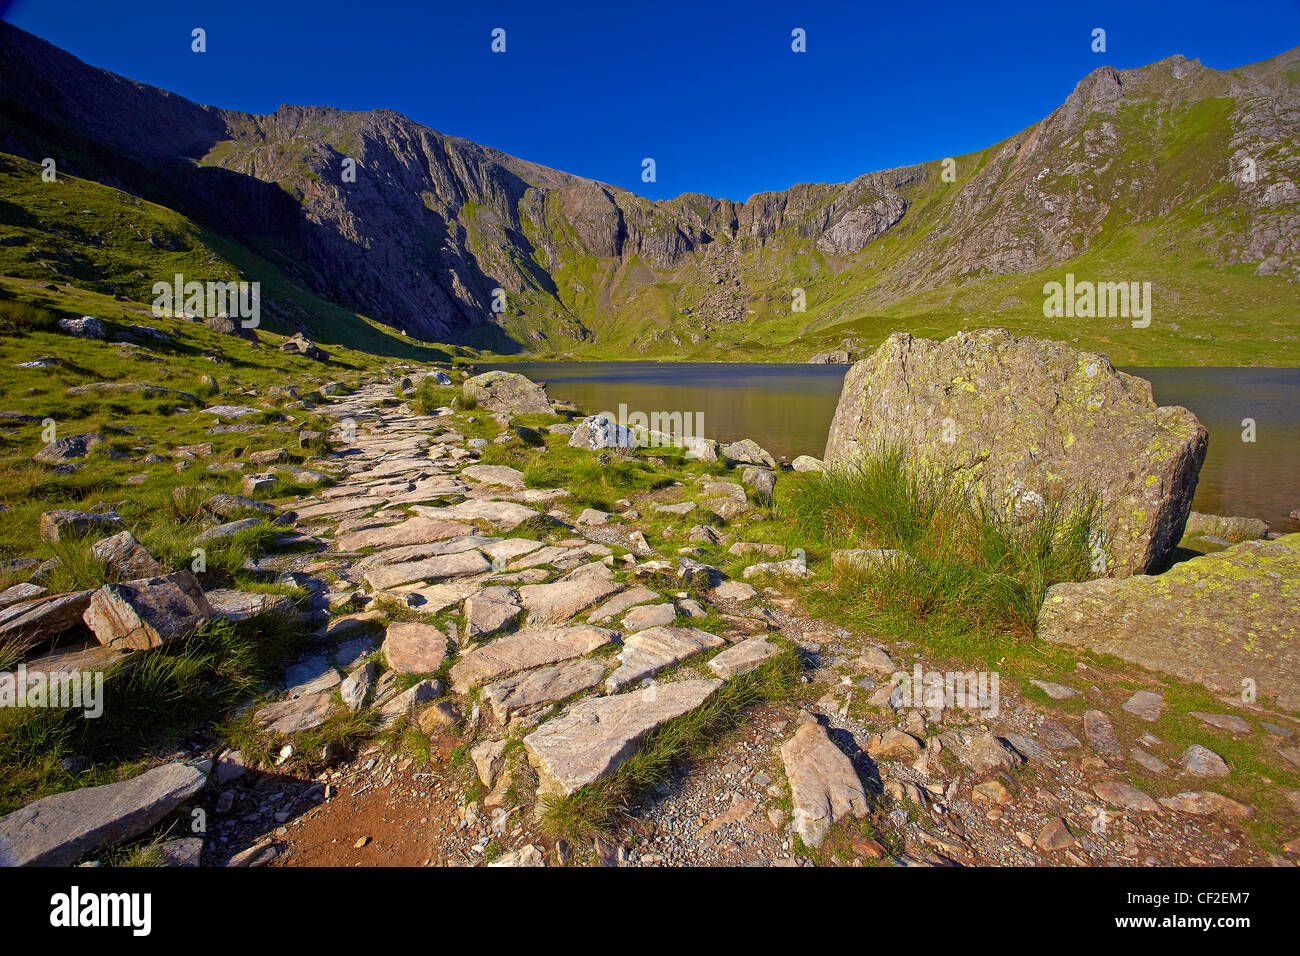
<point x="1229" y="620"/>
<point x="508" y="392"/>
<point x="66" y="524"/>
<point x="599" y="433"/>
<point x="299" y="344"/>
<point x="150" y="612"/>
<point x="67" y="449"/>
<point x="60" y="829"/>
<point x="1022" y="420"/>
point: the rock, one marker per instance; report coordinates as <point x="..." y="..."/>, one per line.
<point x="980" y="751"/>
<point x="439" y="568"/>
<point x="647" y="652"/>
<point x="871" y="559"/>
<point x="544" y="685"/>
<point x="147" y="613"/>
<point x="649" y="615"/>
<point x="763" y="481"/>
<point x="1032" y="420"/>
<point x="489" y="758"/>
<point x="60" y="829"/>
<point x="1146" y="704"/>
<point x="620" y="603"/>
<point x="507" y="392"/>
<point x="823" y="784"/>
<point x="1055" y="835"/>
<point x="600" y="433"/>
<point x="185" y="851"/>
<point x="524" y="650"/>
<point x="528" y="855"/>
<point x="67" y="449"/>
<point x="991" y="791"/>
<point x="837" y="357"/>
<point x="224" y="325"/>
<point x="1057" y="736"/>
<point x="415" y="648"/>
<point x="1147" y="761"/>
<point x="895" y="744"/>
<point x="253" y="484"/>
<point x="66" y="524"/>
<point x="748" y="452"/>
<point x="442" y="716"/>
<point x="703" y="534"/>
<point x="299" y="344"/>
<point x="1101" y="734"/>
<point x="272" y="456"/>
<point x="500" y="475"/>
<point x="228" y="530"/>
<point x="1026" y="746"/>
<point x="1231" y="530"/>
<point x="807" y="463"/>
<point x="246" y="605"/>
<point x="681" y="508"/>
<point x="86" y="327"/>
<point x="31" y="621"/>
<point x="1229" y="722"/>
<point x="128" y="557"/>
<point x="287" y="717"/>
<point x="506" y="515"/>
<point x="1207" y="803"/>
<point x="594" y="738"/>
<point x="733" y="591"/>
<point x="1169" y="623"/>
<point x="20" y="593"/>
<point x="313" y="675"/>
<point x="1054" y="691"/>
<point x="558" y="602"/>
<point x="358" y="685"/>
<point x="1201" y="761"/>
<point x="405" y="703"/>
<point x="791" y="568"/>
<point x="1120" y="794"/>
<point x="749" y="655"/>
<point x="492" y="609"/>
<point x="415" y="530"/>
<point x="231" y="506"/>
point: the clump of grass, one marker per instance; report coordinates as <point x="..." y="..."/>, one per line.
<point x="594" y="808"/>
<point x="971" y="570"/>
<point x="430" y="396"/>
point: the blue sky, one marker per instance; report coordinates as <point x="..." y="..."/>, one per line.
<point x="711" y="91"/>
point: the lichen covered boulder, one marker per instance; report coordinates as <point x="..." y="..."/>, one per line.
<point x="1023" y="421"/>
<point x="1228" y="620"/>
<point x="508" y="392"/>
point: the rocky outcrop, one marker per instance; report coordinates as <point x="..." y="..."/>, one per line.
<point x="1219" y="619"/>
<point x="1025" y="422"/>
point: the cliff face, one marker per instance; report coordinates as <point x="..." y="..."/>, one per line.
<point x="433" y="224"/>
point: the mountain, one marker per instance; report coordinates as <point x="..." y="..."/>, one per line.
<point x="1139" y="175"/>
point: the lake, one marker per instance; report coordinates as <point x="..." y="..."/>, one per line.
<point x="788" y="409"/>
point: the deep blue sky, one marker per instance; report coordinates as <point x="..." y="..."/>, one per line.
<point x="711" y="91"/>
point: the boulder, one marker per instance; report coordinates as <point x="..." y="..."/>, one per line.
<point x="1021" y="421"/>
<point x="837" y="357"/>
<point x="86" y="327"/>
<point x="61" y="829"/>
<point x="508" y="392"/>
<point x="747" y="452"/>
<point x="823" y="784"/>
<point x="150" y="612"/>
<point x="31" y="621"/>
<point x="739" y="659"/>
<point x="224" y="325"/>
<point x="807" y="463"/>
<point x="67" y="449"/>
<point x="125" y="555"/>
<point x="65" y="524"/>
<point x="1231" y="529"/>
<point x="1216" y="619"/>
<point x="299" y="344"/>
<point x="599" y="433"/>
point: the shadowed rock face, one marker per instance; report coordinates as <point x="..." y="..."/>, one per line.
<point x="1024" y="421"/>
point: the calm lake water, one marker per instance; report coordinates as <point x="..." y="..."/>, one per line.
<point x="788" y="409"/>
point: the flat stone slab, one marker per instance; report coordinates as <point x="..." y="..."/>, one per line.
<point x="296" y="714"/>
<point x="594" y="738"/>
<point x="246" y="605"/>
<point x="524" y="650"/>
<point x="980" y="751"/>
<point x="46" y="617"/>
<point x="339" y="506"/>
<point x="60" y="829"/>
<point x="1215" y="619"/>
<point x="1101" y="734"/>
<point x="823" y="784"/>
<point x="649" y="615"/>
<point x="312" y="676"/>
<point x="500" y="475"/>
<point x="505" y="515"/>
<point x="1120" y="794"/>
<point x="415" y="648"/>
<point x="620" y="603"/>
<point x="543" y="685"/>
<point x="558" y="602"/>
<point x="647" y="652"/>
<point x="419" y="529"/>
<point x="457" y="565"/>
<point x="1146" y="704"/>
<point x="749" y="655"/>
<point x="491" y="610"/>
